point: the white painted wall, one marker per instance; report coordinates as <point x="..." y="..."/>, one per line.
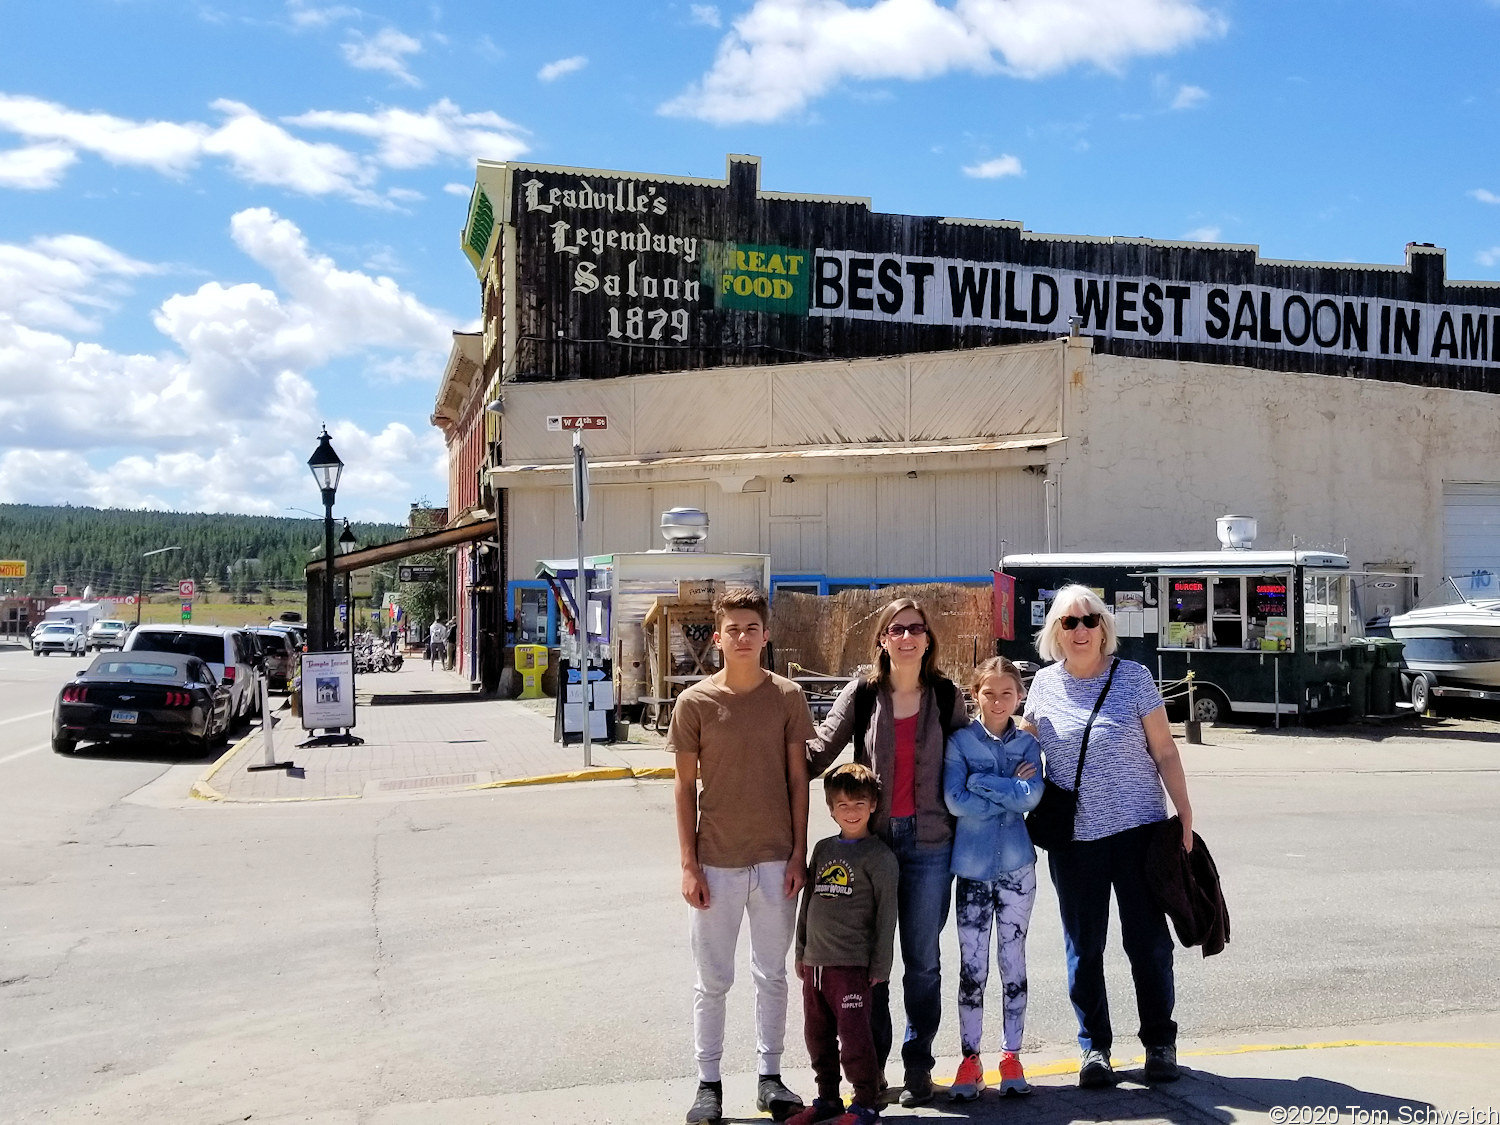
<point x="1158" y="450"/>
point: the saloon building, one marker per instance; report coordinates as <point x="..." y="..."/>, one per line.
<point x="872" y="397"/>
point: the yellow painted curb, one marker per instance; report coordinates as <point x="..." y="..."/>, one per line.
<point x="613" y="773"/>
<point x="201" y="788"/>
<point x="1049" y="1070"/>
<point x="654" y="772"/>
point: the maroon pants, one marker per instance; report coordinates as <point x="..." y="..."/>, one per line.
<point x="836" y="1022"/>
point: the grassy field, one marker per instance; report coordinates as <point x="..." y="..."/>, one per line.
<point x="213" y="609"/>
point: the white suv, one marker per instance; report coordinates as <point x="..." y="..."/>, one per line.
<point x="226" y="651"/>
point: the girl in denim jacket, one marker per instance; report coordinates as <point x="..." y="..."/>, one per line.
<point x="992" y="777"/>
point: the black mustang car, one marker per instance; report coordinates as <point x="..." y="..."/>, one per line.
<point x="142" y="696"/>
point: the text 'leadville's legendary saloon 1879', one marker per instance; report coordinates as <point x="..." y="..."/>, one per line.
<point x="873" y="397"/>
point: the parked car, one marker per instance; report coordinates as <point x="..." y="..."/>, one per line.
<point x="58" y="636"/>
<point x="281" y="656"/>
<point x="109" y="633"/>
<point x="142" y="697"/>
<point x="227" y="652"/>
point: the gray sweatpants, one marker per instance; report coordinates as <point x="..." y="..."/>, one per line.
<point x="1007" y="902"/>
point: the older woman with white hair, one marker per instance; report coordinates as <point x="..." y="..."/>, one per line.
<point x="1091" y="703"/>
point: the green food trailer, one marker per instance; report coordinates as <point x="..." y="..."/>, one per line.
<point x="1263" y="632"/>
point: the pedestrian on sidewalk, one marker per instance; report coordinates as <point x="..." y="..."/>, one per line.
<point x="845" y="935"/>
<point x="437" y="643"/>
<point x="743" y="842"/>
<point x="1103" y="728"/>
<point x="992" y="777"/>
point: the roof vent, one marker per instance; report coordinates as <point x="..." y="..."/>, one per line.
<point x="1236" y="533"/>
<point x="684" y="529"/>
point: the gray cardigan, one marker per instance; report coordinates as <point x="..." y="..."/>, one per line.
<point x="934" y="821"/>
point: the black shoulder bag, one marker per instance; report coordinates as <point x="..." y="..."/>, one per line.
<point x="1050" y="824"/>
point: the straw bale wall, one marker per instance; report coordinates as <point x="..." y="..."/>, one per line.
<point x="835" y="635"/>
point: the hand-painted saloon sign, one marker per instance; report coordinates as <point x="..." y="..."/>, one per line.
<point x="619" y="274"/>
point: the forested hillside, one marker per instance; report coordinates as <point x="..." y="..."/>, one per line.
<point x="102" y="548"/>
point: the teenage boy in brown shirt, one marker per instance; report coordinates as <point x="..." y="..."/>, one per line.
<point x="742" y="732"/>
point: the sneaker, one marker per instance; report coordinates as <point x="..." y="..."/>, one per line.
<point x="772" y="1096"/>
<point x="969" y="1081"/>
<point x="859" y="1115"/>
<point x="918" y="1088"/>
<point x="822" y="1109"/>
<point x="1161" y="1064"/>
<point x="1012" y="1076"/>
<point x="708" y="1106"/>
<point x="1094" y="1071"/>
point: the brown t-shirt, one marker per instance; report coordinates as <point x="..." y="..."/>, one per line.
<point x="744" y="809"/>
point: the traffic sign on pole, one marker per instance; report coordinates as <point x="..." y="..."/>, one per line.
<point x="186" y="588"/>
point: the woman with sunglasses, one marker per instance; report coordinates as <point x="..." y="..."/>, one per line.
<point x="1130" y="757"/>
<point x="899" y="719"/>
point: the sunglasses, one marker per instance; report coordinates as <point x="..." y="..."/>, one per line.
<point x="916" y="630"/>
<point x="1088" y="621"/>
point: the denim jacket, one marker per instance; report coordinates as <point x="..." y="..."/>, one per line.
<point x="982" y="791"/>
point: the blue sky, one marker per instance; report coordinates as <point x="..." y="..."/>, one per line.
<point x="223" y="223"/>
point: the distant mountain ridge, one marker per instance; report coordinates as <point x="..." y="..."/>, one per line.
<point x="102" y="548"/>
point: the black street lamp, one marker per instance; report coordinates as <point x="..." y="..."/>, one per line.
<point x="140" y="583"/>
<point x="346" y="544"/>
<point x="326" y="468"/>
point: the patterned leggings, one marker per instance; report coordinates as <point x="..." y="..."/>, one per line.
<point x="1007" y="900"/>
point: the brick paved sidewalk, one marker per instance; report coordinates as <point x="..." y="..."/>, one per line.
<point x="454" y="741"/>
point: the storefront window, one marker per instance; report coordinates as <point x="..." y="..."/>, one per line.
<point x="1269" y="625"/>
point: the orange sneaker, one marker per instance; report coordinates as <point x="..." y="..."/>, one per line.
<point x="969" y="1080"/>
<point x="1012" y="1077"/>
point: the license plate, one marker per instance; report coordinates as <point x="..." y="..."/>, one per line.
<point x="123" y="716"/>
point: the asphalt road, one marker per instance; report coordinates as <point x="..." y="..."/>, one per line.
<point x="169" y="961"/>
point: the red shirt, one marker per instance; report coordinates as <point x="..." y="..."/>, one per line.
<point x="904" y="784"/>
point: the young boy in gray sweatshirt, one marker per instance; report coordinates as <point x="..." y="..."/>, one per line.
<point x="845" y="936"/>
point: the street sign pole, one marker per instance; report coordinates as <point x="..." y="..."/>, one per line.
<point x="581" y="510"/>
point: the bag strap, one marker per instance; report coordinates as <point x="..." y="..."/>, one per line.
<point x="1084" y="748"/>
<point x="864" y="707"/>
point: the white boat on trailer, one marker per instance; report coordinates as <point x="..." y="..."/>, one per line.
<point x="1456" y="646"/>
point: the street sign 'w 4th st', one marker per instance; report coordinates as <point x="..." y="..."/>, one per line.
<point x="578" y="421"/>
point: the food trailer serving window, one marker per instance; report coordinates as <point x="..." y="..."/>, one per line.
<point x="1225" y="611"/>
<point x="1325" y="610"/>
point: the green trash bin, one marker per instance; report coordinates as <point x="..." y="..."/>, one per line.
<point x="1385" y="674"/>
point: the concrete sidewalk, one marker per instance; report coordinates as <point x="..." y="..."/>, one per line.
<point x="425" y="731"/>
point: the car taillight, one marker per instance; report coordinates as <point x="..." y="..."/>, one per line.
<point x="75" y="694"/>
<point x="179" y="699"/>
<point x="229" y="674"/>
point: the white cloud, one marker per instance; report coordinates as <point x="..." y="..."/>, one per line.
<point x="63" y="281"/>
<point x="412" y="140"/>
<point x="1490" y="257"/>
<point x="165" y="146"/>
<point x="464" y="190"/>
<point x="1188" y="97"/>
<point x="35" y="167"/>
<point x="783" y="53"/>
<point x="1485" y="196"/>
<point x="1204" y="234"/>
<point x="706" y="15"/>
<point x="385" y="51"/>
<point x="262" y="152"/>
<point x="304" y="15"/>
<point x="555" y="70"/>
<point x="998" y="168"/>
<point x="220" y="420"/>
<point x="256" y="150"/>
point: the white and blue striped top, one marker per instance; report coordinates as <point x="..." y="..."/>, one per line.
<point x="1121" y="788"/>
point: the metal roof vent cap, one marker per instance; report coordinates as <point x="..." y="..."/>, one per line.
<point x="684" y="529"/>
<point x="1236" y="533"/>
